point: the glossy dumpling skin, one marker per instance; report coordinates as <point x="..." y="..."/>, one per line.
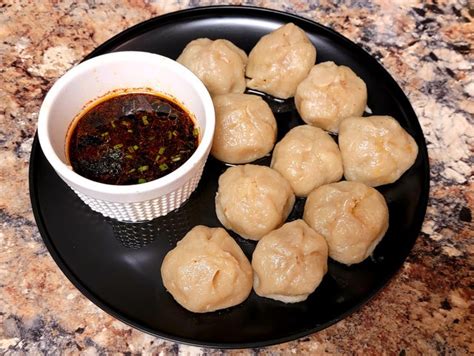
<point x="280" y="61"/>
<point x="307" y="157"/>
<point x="329" y="94"/>
<point x="253" y="200"/>
<point x="219" y="64"/>
<point x="351" y="216"/>
<point x="245" y="128"/>
<point x="375" y="150"/>
<point x="289" y="263"/>
<point x="207" y="271"/>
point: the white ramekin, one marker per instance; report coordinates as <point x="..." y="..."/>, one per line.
<point x="121" y="70"/>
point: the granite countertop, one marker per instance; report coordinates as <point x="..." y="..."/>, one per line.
<point x="427" y="47"/>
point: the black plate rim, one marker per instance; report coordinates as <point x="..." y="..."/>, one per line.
<point x="145" y="26"/>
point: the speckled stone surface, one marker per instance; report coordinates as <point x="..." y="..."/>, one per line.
<point x="426" y="309"/>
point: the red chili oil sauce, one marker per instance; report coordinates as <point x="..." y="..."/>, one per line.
<point x="131" y="138"/>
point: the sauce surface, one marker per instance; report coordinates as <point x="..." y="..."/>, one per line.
<point x="131" y="138"/>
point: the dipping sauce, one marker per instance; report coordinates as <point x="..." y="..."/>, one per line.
<point x="131" y="138"/>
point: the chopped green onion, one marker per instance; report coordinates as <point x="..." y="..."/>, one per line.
<point x="135" y="147"/>
<point x="129" y="156"/>
<point x="130" y="149"/>
<point x="132" y="170"/>
<point x="175" y="133"/>
<point x="105" y="134"/>
<point x="162" y="150"/>
<point x="196" y="132"/>
<point x="169" y="135"/>
<point x="142" y="168"/>
<point x="157" y="158"/>
<point x="118" y="145"/>
<point x="141" y="180"/>
<point x="164" y="166"/>
<point x="129" y="130"/>
<point x="125" y="123"/>
<point x="145" y="120"/>
<point x="113" y="124"/>
<point x="176" y="158"/>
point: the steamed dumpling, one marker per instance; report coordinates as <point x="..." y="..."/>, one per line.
<point x="307" y="157"/>
<point x="245" y="128"/>
<point x="280" y="61"/>
<point x="330" y="94"/>
<point x="351" y="216"/>
<point x="219" y="64"/>
<point x="207" y="271"/>
<point x="253" y="200"/>
<point x="375" y="150"/>
<point x="289" y="263"/>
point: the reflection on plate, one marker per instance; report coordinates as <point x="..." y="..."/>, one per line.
<point x="117" y="265"/>
<point x="173" y="225"/>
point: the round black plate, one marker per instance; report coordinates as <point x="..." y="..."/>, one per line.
<point x="117" y="265"/>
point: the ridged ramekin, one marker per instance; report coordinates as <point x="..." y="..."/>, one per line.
<point x="93" y="79"/>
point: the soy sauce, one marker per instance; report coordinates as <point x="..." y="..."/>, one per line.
<point x="131" y="138"/>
